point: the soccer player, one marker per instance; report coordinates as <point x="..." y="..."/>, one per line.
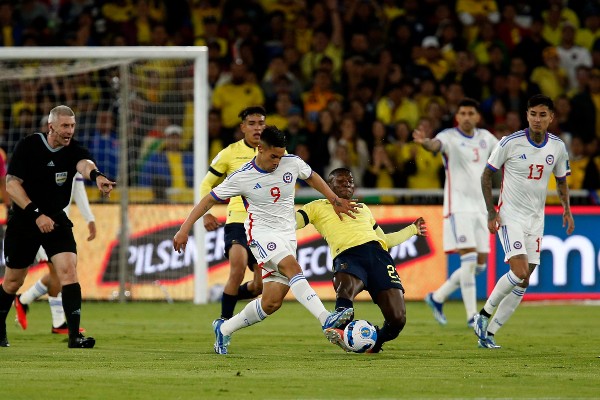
<point x="236" y="245"/>
<point x="465" y="150"/>
<point x="359" y="249"/>
<point x="527" y="157"/>
<point x="267" y="184"/>
<point x="49" y="282"/>
<point x="39" y="183"/>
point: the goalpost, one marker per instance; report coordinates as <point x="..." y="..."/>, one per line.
<point x="150" y="99"/>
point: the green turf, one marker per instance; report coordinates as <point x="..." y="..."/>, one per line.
<point x="162" y="351"/>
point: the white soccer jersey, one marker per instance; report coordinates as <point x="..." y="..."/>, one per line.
<point x="464" y="161"/>
<point x="527" y="168"/>
<point x="268" y="196"/>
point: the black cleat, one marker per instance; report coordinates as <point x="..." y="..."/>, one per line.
<point x="4" y="340"/>
<point x="81" y="342"/>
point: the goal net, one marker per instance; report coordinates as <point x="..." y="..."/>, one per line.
<point x="142" y="113"/>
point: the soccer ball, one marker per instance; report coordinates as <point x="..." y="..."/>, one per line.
<point x="360" y="335"/>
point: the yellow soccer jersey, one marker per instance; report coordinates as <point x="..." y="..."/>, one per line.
<point x="230" y="159"/>
<point x="342" y="235"/>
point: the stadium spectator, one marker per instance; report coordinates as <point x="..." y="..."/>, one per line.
<point x="169" y="169"/>
<point x="572" y="56"/>
<point x="587" y="35"/>
<point x="432" y="59"/>
<point x="103" y="144"/>
<point x="585" y="109"/>
<point x="238" y="93"/>
<point x="465" y="150"/>
<point x="318" y="97"/>
<point x="510" y="32"/>
<point x="424" y="169"/>
<point x="396" y="106"/>
<point x="12" y="29"/>
<point x="324" y="45"/>
<point x="551" y="77"/>
<point x="531" y="47"/>
<point x="271" y="84"/>
<point x="295" y="132"/>
<point x="356" y="154"/>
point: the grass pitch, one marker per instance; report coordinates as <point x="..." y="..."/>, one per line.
<point x="164" y="351"/>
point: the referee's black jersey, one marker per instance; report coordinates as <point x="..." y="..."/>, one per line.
<point x="47" y="173"/>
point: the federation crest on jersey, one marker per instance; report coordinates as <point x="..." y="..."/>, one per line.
<point x="271" y="246"/>
<point x="482" y="144"/>
<point x="287" y="177"/>
<point x="549" y="159"/>
<point x="60" y="178"/>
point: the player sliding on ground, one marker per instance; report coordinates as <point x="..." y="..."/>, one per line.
<point x="361" y="261"/>
<point x="267" y="184"/>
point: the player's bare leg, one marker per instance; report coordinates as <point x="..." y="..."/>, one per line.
<point x="392" y="306"/>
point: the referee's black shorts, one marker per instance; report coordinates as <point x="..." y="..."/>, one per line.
<point x="23" y="240"/>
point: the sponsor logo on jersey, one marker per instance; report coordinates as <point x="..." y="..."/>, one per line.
<point x="523" y="157"/>
<point x="550" y="159"/>
<point x="287" y="177"/>
<point x="50" y="164"/>
<point x="257" y="186"/>
<point x="60" y="178"/>
<point x="517" y="245"/>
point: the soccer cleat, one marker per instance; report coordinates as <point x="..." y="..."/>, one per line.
<point x="480" y="326"/>
<point x="339" y="318"/>
<point x="221" y="341"/>
<point x="336" y="336"/>
<point x="64" y="330"/>
<point x="21" y="310"/>
<point x="488" y="343"/>
<point x="81" y="342"/>
<point x="4" y="340"/>
<point x="436" y="307"/>
<point x="471" y="323"/>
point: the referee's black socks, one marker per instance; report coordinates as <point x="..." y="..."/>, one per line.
<point x="71" y="297"/>
<point x="6" y="300"/>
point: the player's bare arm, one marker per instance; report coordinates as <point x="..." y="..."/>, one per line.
<point x="432" y="145"/>
<point x="88" y="169"/>
<point x="562" y="188"/>
<point x="181" y="237"/>
<point x="340" y="206"/>
<point x="14" y="187"/>
<point x="486" y="187"/>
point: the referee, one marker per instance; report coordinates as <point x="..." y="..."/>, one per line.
<point x="38" y="181"/>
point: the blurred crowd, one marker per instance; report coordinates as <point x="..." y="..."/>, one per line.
<point x="349" y="80"/>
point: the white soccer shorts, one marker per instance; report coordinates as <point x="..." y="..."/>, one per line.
<point x="464" y="230"/>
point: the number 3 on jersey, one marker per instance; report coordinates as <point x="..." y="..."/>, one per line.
<point x="275" y="193"/>
<point x="535" y="171"/>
